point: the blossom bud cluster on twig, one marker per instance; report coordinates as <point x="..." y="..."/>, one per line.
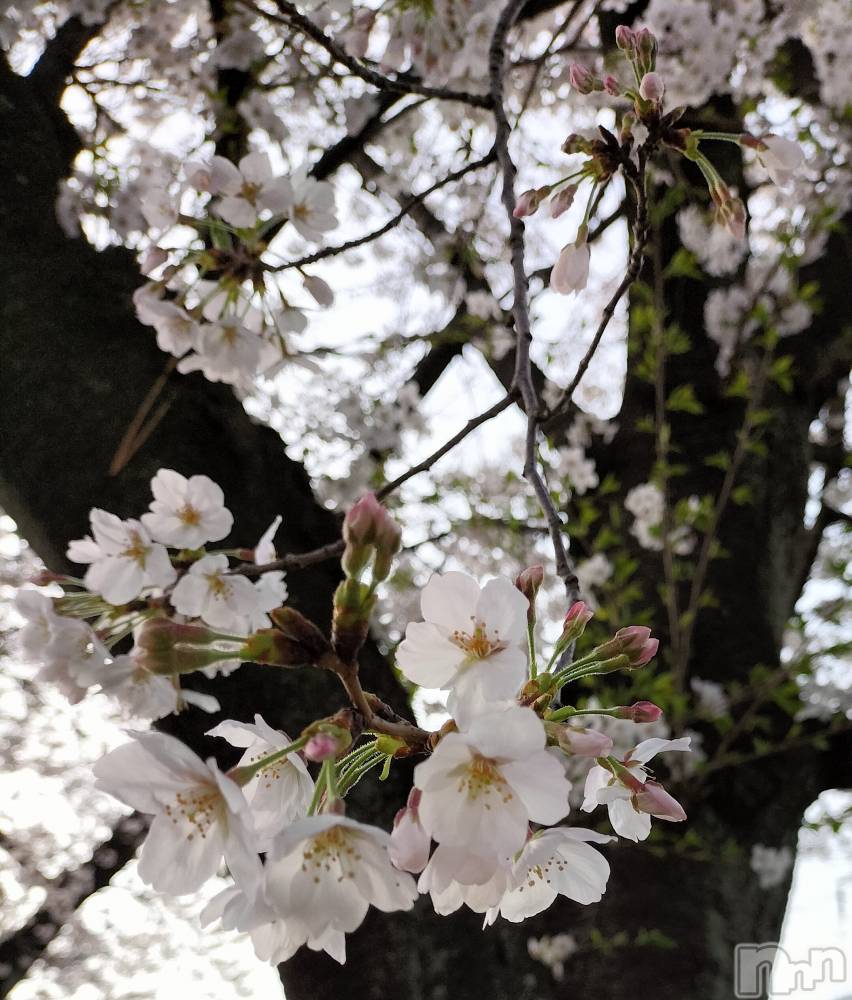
<point x="484" y="824"/>
<point x="607" y="155"/>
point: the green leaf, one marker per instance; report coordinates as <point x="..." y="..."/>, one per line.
<point x="683" y="399"/>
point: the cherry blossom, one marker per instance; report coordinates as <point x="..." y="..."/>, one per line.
<point x="186" y="513"/>
<point x="556" y="862"/>
<point x="471" y="640"/>
<point x="249" y="189"/>
<point x="629" y="811"/>
<point x="781" y="157"/>
<point x="200" y="814"/>
<point x="208" y="591"/>
<point x="279" y="793"/>
<point x="457" y="876"/>
<point x="483" y="786"/>
<point x="123" y="559"/>
<point x="140" y="693"/>
<point x="326" y="871"/>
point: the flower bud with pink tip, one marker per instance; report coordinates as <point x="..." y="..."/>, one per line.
<point x="583" y="80"/>
<point x="646" y="49"/>
<point x="635" y="642"/>
<point x="641" y="711"/>
<point x="562" y="200"/>
<point x="612" y="85"/>
<point x="529" y="581"/>
<point x="321" y="746"/>
<point x="529" y="201"/>
<point x="369" y="527"/>
<point x="656" y="801"/>
<point x="578" y="741"/>
<point x="652" y="88"/>
<point x="625" y="38"/>
<point x="578" y="617"/>
<point x="409" y="842"/>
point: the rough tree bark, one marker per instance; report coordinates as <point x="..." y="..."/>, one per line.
<point x="76" y="365"/>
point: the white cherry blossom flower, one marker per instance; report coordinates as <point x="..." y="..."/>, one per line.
<point x="483" y="786"/>
<point x="221" y="599"/>
<point x="200" y="814"/>
<point x="123" y="559"/>
<point x="781" y="157"/>
<point x="552" y="863"/>
<point x="270" y="592"/>
<point x="326" y="871"/>
<point x="226" y="350"/>
<point x="280" y="793"/>
<point x="312" y="209"/>
<point x="140" y="693"/>
<point x="264" y="551"/>
<point x="187" y="513"/>
<point x="71" y="655"/>
<point x="275" y="940"/>
<point x="250" y="190"/>
<point x="471" y="642"/>
<point x="456" y="876"/>
<point x="630" y="813"/>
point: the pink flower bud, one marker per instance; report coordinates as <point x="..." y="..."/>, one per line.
<point x="579" y="741"/>
<point x="321" y="746"/>
<point x="635" y="642"/>
<point x="582" y="79"/>
<point x="527" y="204"/>
<point x="654" y="799"/>
<point x="642" y="711"/>
<point x="612" y="85"/>
<point x="646" y="49"/>
<point x="652" y="87"/>
<point x="625" y="38"/>
<point x="562" y="201"/>
<point x="578" y="617"/>
<point x="731" y="214"/>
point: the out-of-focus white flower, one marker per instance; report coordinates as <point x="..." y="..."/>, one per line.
<point x="571" y="271"/>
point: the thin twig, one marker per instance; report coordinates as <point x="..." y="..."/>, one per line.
<point x="137" y="434"/>
<point x="299" y="560"/>
<point x="522" y="380"/>
<point x="394" y="221"/>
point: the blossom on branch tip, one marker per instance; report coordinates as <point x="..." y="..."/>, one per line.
<point x="629" y="811"/>
<point x="221" y="599"/>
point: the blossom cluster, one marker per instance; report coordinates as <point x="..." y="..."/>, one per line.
<point x="484" y="824"/>
<point x="606" y="153"/>
<point x="135" y="569"/>
<point x="217" y="305"/>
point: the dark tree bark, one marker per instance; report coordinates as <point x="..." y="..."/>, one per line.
<point x="75" y="367"/>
